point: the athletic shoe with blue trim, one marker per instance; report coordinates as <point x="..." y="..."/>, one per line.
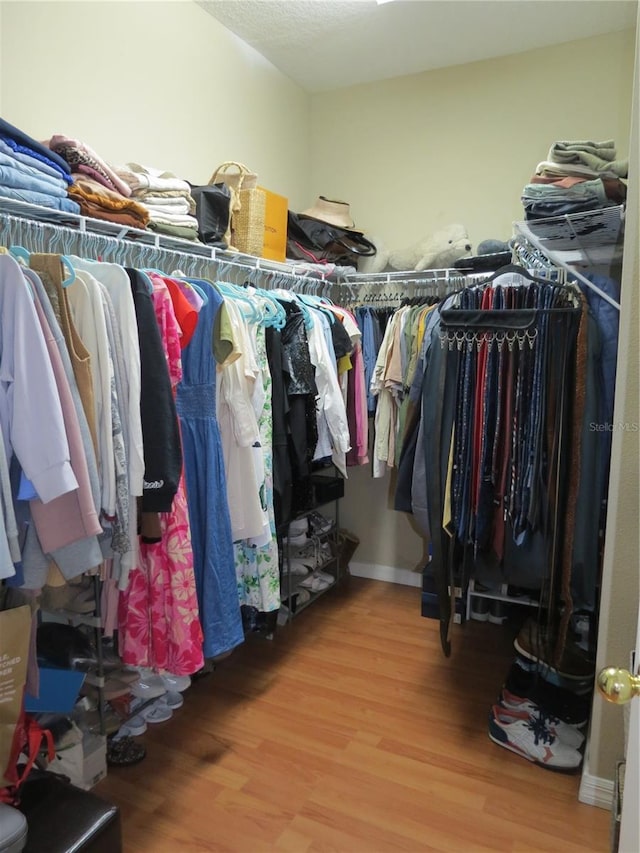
<point x="532" y="739"/>
<point x="526" y="709"/>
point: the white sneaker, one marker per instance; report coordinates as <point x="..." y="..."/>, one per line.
<point x="319" y="523"/>
<point x="298" y="527"/>
<point x="525" y="708"/>
<point x="134" y="727"/>
<point x="295" y="541"/>
<point x="531" y="739"/>
<point x="173" y="700"/>
<point x="175" y="683"/>
<point x="149" y="687"/>
<point x="154" y="712"/>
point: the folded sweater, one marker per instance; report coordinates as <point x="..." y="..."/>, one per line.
<point x="90" y="193"/>
<point x="17" y="175"/>
<point x="12" y="149"/>
<point x="81" y="157"/>
<point x="143" y="179"/>
<point x="599" y="156"/>
<point x="10" y="133"/>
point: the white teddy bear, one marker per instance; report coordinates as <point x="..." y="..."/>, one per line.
<point x="437" y="251"/>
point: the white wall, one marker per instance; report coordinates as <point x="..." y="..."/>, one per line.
<point x="161" y="83"/>
<point x="458" y="144"/>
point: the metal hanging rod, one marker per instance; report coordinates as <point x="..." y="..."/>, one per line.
<point x="398" y="276"/>
<point x="74" y="223"/>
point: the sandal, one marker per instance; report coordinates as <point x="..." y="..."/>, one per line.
<point x="133" y="727"/>
<point x="156" y="711"/>
<point x="124" y="752"/>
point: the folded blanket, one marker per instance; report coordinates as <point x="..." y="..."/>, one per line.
<point x="605" y="150"/>
<point x="174" y="230"/>
<point x="170" y="219"/>
<point x="593" y="189"/>
<point x="614" y="188"/>
<point x="151" y="195"/>
<point x="10" y="148"/>
<point x="548" y="167"/>
<point x="54" y="182"/>
<point x="11" y="176"/>
<point x="180" y="209"/>
<point x="599" y="156"/>
<point x="81" y="157"/>
<point x="177" y="204"/>
<point x="144" y="178"/>
<point x="565" y="181"/>
<point x="29" y="145"/>
<point x="122" y="217"/>
<point x="64" y="204"/>
<point x="92" y="195"/>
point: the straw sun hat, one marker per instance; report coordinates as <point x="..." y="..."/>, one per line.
<point x="331" y="211"/>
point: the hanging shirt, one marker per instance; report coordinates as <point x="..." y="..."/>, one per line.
<point x="28" y="395"/>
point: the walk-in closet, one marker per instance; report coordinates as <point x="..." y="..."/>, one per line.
<point x="319" y="407"/>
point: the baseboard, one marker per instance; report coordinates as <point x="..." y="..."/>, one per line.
<point x="595" y="791"/>
<point x="389" y="574"/>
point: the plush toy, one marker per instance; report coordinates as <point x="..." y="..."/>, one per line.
<point x="438" y="251"/>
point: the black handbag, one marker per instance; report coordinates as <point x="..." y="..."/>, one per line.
<point x="319" y="242"/>
<point x="213" y="210"/>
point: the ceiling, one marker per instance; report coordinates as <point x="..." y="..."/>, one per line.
<point x="330" y="44"/>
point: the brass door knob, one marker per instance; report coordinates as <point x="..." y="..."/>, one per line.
<point x="618" y="685"/>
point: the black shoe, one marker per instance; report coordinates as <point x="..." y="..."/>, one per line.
<point x="562" y="703"/>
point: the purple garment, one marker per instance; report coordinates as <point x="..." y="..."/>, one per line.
<point x="190" y="293"/>
<point x="28" y="398"/>
<point x="71" y="516"/>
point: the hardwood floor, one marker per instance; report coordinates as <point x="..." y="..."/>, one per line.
<point x="349" y="732"/>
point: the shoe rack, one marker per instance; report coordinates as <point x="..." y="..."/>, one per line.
<point x="291" y="585"/>
<point x="501" y="593"/>
<point x="90" y="620"/>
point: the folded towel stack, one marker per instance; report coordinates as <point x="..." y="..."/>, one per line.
<point x="576" y="177"/>
<point x="31" y="173"/>
<point x="165" y="197"/>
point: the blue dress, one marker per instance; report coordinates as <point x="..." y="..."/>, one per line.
<point x="213" y="554"/>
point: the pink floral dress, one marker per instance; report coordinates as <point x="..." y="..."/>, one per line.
<point x="158" y="615"/>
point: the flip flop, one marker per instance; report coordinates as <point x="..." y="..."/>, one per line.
<point x="153" y="712"/>
<point x="134" y="727"/>
<point x="172" y="700"/>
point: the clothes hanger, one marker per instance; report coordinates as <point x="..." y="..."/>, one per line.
<point x="316" y="303"/>
<point x="198" y="289"/>
<point x="276" y="316"/>
<point x="179" y="276"/>
<point x="147" y="281"/>
<point x="232" y="291"/>
<point x="517" y="270"/>
<point x="20" y="254"/>
<point x="289" y="296"/>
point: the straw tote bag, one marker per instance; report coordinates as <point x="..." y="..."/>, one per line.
<point x="248" y="206"/>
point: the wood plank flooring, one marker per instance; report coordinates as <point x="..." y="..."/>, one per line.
<point x="349" y="732"/>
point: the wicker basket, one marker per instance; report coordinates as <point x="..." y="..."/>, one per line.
<point x="248" y="206"/>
